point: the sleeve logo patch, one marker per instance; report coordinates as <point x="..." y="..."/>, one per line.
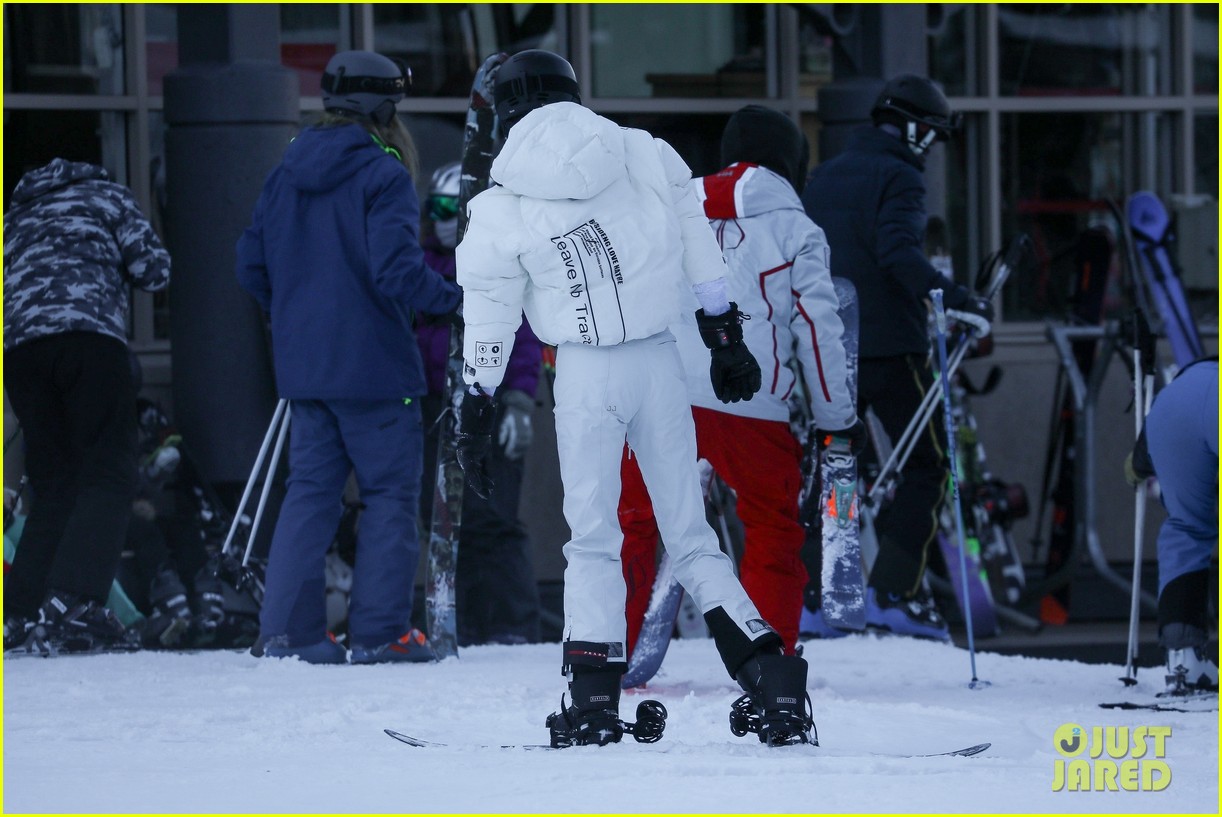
<point x="488" y="353"/>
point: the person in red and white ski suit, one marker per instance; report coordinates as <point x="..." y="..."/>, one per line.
<point x="593" y="231"/>
<point x="778" y="263"/>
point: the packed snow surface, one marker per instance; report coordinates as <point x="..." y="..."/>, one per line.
<point x="226" y="732"/>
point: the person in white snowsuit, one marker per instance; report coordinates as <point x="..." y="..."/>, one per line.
<point x="593" y="231"/>
<point x="778" y="270"/>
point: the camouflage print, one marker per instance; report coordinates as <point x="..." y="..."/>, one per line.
<point x="74" y="242"/>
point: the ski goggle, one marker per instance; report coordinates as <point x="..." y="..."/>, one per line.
<point x="443" y="208"/>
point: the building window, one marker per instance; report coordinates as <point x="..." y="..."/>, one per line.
<point x="1079" y="49"/>
<point x="1205" y="48"/>
<point x="445" y="44"/>
<point x="310" y="34"/>
<point x="693" y="50"/>
<point x="954" y="48"/>
<point x="65" y="48"/>
<point x="1059" y="171"/>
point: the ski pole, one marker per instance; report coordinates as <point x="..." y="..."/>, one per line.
<point x="940" y="323"/>
<point x="267" y="482"/>
<point x="254" y="473"/>
<point x="1143" y="398"/>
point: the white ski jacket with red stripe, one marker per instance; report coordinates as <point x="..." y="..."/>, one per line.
<point x="780" y="277"/>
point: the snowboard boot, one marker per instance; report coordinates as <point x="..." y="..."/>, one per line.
<point x="1190" y="672"/>
<point x="916" y="616"/>
<point x="776" y="706"/>
<point x="593" y="717"/>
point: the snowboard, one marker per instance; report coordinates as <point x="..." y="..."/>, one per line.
<point x="843" y="578"/>
<point x="1153" y="236"/>
<point x="479" y="143"/>
<point x="668" y="597"/>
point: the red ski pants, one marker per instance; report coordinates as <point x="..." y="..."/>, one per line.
<point x="760" y="460"/>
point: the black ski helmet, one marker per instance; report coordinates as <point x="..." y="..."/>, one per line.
<point x="365" y="84"/>
<point x="916" y="105"/>
<point x="766" y="137"/>
<point x="529" y="80"/>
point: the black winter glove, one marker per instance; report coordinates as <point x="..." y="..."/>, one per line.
<point x="734" y="372"/>
<point x="475" y="423"/>
<point x="855" y="434"/>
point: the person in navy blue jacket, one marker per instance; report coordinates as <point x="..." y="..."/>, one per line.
<point x="870" y="201"/>
<point x="332" y="255"/>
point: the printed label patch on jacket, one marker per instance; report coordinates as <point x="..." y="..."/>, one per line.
<point x="488" y="353"/>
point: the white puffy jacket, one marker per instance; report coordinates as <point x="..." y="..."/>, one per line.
<point x="780" y="277"/>
<point x="593" y="230"/>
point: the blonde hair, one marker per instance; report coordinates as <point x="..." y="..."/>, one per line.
<point x="394" y="134"/>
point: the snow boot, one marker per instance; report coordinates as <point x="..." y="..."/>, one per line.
<point x="68" y="623"/>
<point x="1189" y="672"/>
<point x="327" y="651"/>
<point x="593" y="717"/>
<point x="916" y="616"/>
<point x="412" y="648"/>
<point x="170" y="620"/>
<point x="776" y="706"/>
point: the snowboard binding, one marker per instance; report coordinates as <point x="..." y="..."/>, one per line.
<point x="776" y="707"/>
<point x="598" y="727"/>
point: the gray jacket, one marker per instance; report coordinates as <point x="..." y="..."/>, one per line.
<point x="74" y="242"/>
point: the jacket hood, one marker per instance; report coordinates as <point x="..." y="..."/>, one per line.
<point x="743" y="190"/>
<point x="321" y="158"/>
<point x="561" y="151"/>
<point x="769" y="138"/>
<point x="58" y="173"/>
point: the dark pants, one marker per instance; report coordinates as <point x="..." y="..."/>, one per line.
<point x="496" y="594"/>
<point x="381" y="441"/>
<point x="74" y="396"/>
<point x="894" y="387"/>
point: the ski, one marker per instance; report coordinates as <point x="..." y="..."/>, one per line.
<point x="1208" y="702"/>
<point x="479" y="142"/>
<point x="968" y="751"/>
<point x="843" y="577"/>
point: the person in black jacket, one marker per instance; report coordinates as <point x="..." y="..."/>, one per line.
<point x="74" y="244"/>
<point x="870" y="201"/>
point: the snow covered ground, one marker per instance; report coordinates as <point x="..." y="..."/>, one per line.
<point x="225" y="732"/>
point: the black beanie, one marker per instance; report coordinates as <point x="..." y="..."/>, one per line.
<point x="769" y="138"/>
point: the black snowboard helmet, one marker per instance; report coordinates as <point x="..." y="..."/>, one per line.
<point x="529" y="80"/>
<point x="766" y="137"/>
<point x="918" y="108"/>
<point x="364" y="83"/>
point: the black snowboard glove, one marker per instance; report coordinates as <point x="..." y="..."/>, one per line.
<point x="734" y="372"/>
<point x="855" y="434"/>
<point x="475" y="423"/>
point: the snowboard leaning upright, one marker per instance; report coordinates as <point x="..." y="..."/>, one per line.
<point x="843" y="579"/>
<point x="479" y="143"/>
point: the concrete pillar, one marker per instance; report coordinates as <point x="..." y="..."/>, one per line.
<point x="230" y="110"/>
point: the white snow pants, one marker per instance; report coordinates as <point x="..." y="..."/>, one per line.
<point x="635" y="390"/>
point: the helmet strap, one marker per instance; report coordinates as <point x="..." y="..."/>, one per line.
<point x="916" y="143"/>
<point x="390" y="149"/>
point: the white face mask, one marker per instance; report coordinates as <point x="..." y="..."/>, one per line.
<point x="446" y="232"/>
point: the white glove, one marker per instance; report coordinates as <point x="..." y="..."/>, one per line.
<point x="515" y="434"/>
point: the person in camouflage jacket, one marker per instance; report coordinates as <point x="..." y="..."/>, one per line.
<point x="74" y="244"/>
